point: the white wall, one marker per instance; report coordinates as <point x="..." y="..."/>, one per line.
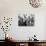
<point x="12" y="8"/>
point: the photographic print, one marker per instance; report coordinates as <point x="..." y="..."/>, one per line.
<point x="26" y="20"/>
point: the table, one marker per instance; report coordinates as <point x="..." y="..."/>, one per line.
<point x="27" y="42"/>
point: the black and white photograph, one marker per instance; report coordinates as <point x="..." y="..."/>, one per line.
<point x="26" y="20"/>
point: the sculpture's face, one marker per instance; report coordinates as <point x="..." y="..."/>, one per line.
<point x="35" y="3"/>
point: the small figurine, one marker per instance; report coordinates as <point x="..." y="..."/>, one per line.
<point x="34" y="38"/>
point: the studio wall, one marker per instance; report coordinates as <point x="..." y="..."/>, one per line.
<point x="12" y="8"/>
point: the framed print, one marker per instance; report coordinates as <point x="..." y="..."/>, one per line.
<point x="26" y="20"/>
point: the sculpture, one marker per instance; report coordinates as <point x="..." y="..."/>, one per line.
<point x="35" y="3"/>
